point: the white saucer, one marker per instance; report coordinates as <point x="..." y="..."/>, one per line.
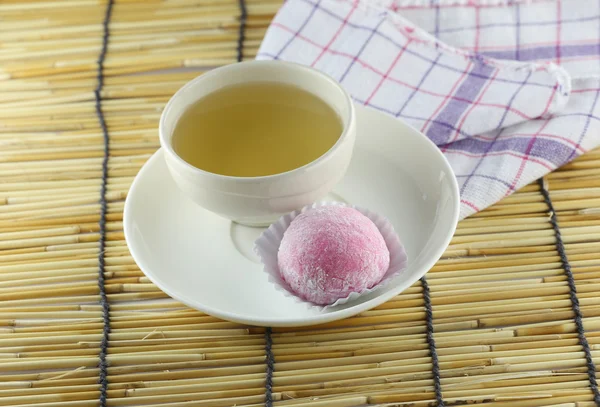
<point x="208" y="263"/>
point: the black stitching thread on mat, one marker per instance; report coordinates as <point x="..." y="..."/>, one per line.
<point x="435" y="363"/>
<point x="578" y="317"/>
<point x="242" y="31"/>
<point x="270" y="359"/>
<point x="102" y="364"/>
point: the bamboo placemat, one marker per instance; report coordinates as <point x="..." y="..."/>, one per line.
<point x="503" y="313"/>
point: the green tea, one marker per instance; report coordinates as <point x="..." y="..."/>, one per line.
<point x="256" y="129"/>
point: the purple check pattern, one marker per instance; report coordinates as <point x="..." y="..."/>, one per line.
<point x="508" y="90"/>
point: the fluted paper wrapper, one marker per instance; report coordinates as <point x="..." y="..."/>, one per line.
<point x="267" y="247"/>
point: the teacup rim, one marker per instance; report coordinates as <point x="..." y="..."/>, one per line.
<point x="168" y="147"/>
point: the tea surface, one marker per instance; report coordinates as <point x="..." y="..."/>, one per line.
<point x="256" y="129"/>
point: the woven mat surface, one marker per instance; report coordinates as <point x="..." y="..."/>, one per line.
<point x="509" y="301"/>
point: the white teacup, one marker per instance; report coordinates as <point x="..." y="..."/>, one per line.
<point x="258" y="201"/>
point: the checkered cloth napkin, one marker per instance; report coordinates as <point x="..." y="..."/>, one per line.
<point x="463" y="74"/>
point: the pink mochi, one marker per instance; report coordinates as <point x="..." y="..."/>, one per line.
<point x="331" y="251"/>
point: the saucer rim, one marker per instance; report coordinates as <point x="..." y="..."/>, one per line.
<point x="321" y="318"/>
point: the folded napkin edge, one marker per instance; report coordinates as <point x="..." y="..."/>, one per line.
<point x="561" y="77"/>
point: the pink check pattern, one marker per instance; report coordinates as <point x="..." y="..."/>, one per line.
<point x="505" y="89"/>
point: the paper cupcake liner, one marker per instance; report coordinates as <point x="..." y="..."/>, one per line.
<point x="267" y="247"/>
